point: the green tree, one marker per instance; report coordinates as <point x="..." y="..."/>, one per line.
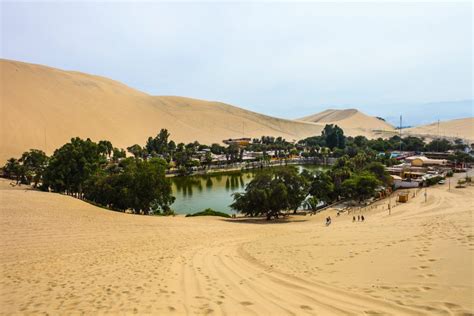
<point x="334" y="136"/>
<point x="439" y="145"/>
<point x="361" y="141"/>
<point x="412" y="143"/>
<point x="118" y="154"/>
<point x="159" y="144"/>
<point x="379" y="171"/>
<point x="34" y="164"/>
<point x="105" y="147"/>
<point x="311" y="203"/>
<point x="136" y="150"/>
<point x="322" y="187"/>
<point x="13" y="170"/>
<point x="71" y="165"/>
<point x="360" y="187"/>
<point x="208" y="158"/>
<point x="269" y="193"/>
<point x="140" y="185"/>
<point x="359" y="161"/>
<point x="296" y="186"/>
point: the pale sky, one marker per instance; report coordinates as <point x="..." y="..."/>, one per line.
<point x="283" y="59"/>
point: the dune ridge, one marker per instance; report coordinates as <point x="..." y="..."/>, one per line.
<point x="43" y="107"/>
<point x="459" y="128"/>
<point x="353" y="122"/>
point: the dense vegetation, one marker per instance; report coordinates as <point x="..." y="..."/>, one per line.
<point x="270" y="192"/>
<point x="101" y="173"/>
<point x="277" y="190"/>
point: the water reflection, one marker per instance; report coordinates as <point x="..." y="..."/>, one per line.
<point x="196" y="193"/>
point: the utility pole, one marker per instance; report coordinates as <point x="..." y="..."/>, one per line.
<point x="437" y="143"/>
<point x="400" y="134"/>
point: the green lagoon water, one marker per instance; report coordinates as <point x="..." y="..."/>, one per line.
<point x="196" y="193"/>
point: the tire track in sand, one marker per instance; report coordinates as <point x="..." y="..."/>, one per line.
<point x="224" y="279"/>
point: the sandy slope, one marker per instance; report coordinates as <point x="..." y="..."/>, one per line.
<point x="353" y="122"/>
<point x="460" y="128"/>
<point x="61" y="255"/>
<point x="43" y="107"/>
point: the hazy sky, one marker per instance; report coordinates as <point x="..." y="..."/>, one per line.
<point x="282" y="59"/>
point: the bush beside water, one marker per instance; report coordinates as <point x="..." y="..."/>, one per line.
<point x="209" y="212"/>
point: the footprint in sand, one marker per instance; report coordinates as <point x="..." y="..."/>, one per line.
<point x="306" y="307"/>
<point x="246" y="303"/>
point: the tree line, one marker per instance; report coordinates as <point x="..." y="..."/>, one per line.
<point x="276" y="190"/>
<point x="98" y="173"/>
<point x="102" y="174"/>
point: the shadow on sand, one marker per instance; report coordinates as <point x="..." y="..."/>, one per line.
<point x="263" y="220"/>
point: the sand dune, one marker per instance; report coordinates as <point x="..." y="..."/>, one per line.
<point x="43" y="107"/>
<point x="61" y="255"/>
<point x="460" y="128"/>
<point x="353" y="122"/>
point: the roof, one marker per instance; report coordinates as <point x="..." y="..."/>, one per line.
<point x="427" y="160"/>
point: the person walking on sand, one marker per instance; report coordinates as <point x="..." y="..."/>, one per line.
<point x="362" y="218"/>
<point x="358" y="217"/>
<point x="353" y="218"/>
<point x="328" y="220"/>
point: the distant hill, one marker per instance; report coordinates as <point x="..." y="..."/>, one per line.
<point x="353" y="122"/>
<point x="459" y="128"/>
<point x="415" y="114"/>
<point x="43" y="107"/>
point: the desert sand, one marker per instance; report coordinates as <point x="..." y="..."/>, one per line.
<point x="459" y="128"/>
<point x="353" y="122"/>
<point x="62" y="255"/>
<point x="43" y="107"/>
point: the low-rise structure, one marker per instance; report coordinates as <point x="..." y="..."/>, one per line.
<point x="423" y="161"/>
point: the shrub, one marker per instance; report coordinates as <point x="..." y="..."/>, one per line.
<point x="433" y="181"/>
<point x="209" y="212"/>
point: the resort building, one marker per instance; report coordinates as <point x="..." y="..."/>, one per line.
<point x="422" y="161"/>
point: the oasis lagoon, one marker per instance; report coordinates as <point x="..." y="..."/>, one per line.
<point x="196" y="193"/>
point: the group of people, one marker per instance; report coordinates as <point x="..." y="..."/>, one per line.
<point x="359" y="218"/>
